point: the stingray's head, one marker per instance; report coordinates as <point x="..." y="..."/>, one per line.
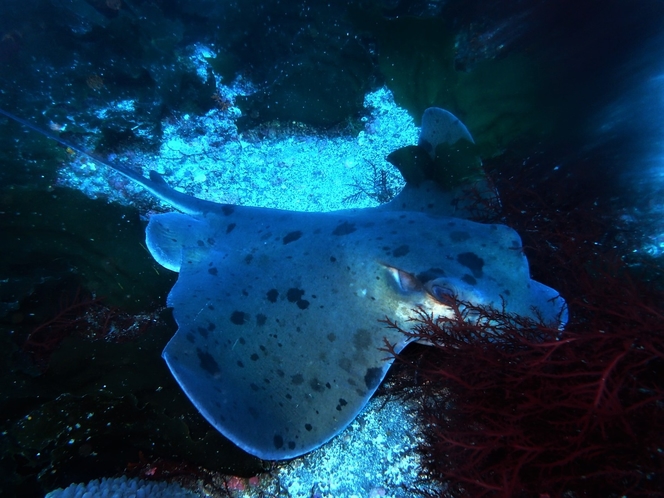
<point x="435" y="293"/>
<point x="441" y="295"/>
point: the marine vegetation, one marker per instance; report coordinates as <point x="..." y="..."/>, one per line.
<point x="253" y="376"/>
<point x="87" y="316"/>
<point x="512" y="407"/>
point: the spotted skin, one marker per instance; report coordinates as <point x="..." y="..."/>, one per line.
<point x="279" y="340"/>
<point x="279" y="335"/>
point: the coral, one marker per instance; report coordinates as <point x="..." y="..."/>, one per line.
<point x="513" y="408"/>
<point x="121" y="487"/>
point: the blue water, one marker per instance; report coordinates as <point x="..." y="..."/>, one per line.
<point x="291" y="105"/>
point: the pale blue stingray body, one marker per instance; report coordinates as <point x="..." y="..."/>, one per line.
<point x="279" y="312"/>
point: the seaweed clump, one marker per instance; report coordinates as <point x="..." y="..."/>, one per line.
<point x="511" y="407"/>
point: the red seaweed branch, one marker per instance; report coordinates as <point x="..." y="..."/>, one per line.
<point x="86" y="316"/>
<point x="514" y="408"/>
<point x="533" y="410"/>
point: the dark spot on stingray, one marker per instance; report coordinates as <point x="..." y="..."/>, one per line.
<point x="238" y="317"/>
<point x="362" y="339"/>
<point x="210" y="307"/>
<point x="331" y="337"/>
<point x="292" y="237"/>
<point x="344" y="228"/>
<point x="342" y="403"/>
<point x="328" y="385"/>
<point x="262" y="348"/>
<point x="401" y="251"/>
<point x="473" y="262"/>
<point x="506" y="292"/>
<point x="211" y="326"/>
<point x="308" y="427"/>
<point x="316" y="385"/>
<point x="202" y="331"/>
<point x="242" y="341"/>
<point x="210" y="241"/>
<point x="261" y="319"/>
<point x="280" y="373"/>
<point x="430" y="274"/>
<point x="333" y="259"/>
<point x="272" y="295"/>
<point x="190" y="337"/>
<point x="297" y="379"/>
<point x="303" y="304"/>
<point x="345" y="364"/>
<point x="469" y="279"/>
<point x="373" y="377"/>
<point x="245" y="292"/>
<point x="248" y="258"/>
<point x="213" y="271"/>
<point x="278" y="442"/>
<point x="227" y="209"/>
<point x="240" y="364"/>
<point x="288" y="396"/>
<point x="293" y="295"/>
<point x="254" y="357"/>
<point x="459" y="236"/>
<point x="207" y="362"/>
<point x="291" y="445"/>
<point x="267" y="381"/>
<point x="200" y="243"/>
<point x="254" y="387"/>
<point x="253" y="411"/>
<point x="230" y="227"/>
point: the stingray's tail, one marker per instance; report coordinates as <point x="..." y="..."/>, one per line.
<point x="156" y="185"/>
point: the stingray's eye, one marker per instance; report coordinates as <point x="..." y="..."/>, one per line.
<point x="443" y="294"/>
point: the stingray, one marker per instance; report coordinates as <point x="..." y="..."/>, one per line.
<point x="280" y="336"/>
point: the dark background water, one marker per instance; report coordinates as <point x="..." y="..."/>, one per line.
<point x="573" y="89"/>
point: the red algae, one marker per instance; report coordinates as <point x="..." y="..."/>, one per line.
<point x="86" y="316"/>
<point x="511" y="407"/>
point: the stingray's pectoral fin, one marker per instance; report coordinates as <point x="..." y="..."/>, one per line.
<point x="167" y="234"/>
<point x="451" y="166"/>
<point x="445" y="154"/>
<point x="549" y="305"/>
